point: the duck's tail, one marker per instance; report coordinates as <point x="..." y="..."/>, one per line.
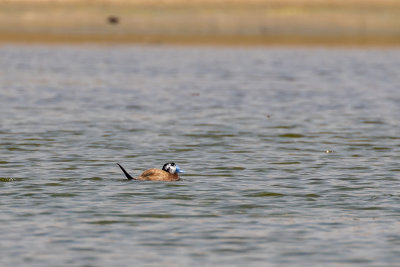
<point x="126" y="173"/>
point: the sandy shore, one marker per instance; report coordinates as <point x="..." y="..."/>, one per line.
<point x="227" y="22"/>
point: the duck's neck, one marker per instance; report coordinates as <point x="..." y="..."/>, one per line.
<point x="174" y="177"/>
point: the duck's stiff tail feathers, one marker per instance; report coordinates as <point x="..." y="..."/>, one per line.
<point x="126" y="173"/>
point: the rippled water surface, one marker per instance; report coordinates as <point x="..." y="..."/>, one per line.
<point x="292" y="156"/>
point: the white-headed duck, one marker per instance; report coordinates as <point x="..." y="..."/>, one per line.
<point x="168" y="173"/>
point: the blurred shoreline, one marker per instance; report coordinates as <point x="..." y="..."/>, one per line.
<point x="218" y="22"/>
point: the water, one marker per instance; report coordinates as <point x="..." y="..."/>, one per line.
<point x="250" y="126"/>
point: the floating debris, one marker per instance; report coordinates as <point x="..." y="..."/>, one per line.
<point x="6" y="179"/>
<point x="328" y="151"/>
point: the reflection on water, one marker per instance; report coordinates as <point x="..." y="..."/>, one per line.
<point x="251" y="127"/>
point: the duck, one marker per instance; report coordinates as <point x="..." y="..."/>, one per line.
<point x="168" y="173"/>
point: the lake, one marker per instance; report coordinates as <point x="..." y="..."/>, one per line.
<point x="291" y="156"/>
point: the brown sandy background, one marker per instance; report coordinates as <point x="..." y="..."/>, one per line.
<point x="251" y="22"/>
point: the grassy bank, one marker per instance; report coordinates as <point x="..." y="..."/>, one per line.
<point x="253" y="22"/>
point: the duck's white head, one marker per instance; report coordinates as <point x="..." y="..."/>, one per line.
<point x="172" y="168"/>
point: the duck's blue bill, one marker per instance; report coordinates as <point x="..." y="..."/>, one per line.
<point x="178" y="170"/>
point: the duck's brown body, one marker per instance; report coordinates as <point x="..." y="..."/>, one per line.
<point x="158" y="175"/>
<point x="153" y="175"/>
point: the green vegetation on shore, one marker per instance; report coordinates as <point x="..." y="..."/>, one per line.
<point x="253" y="22"/>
